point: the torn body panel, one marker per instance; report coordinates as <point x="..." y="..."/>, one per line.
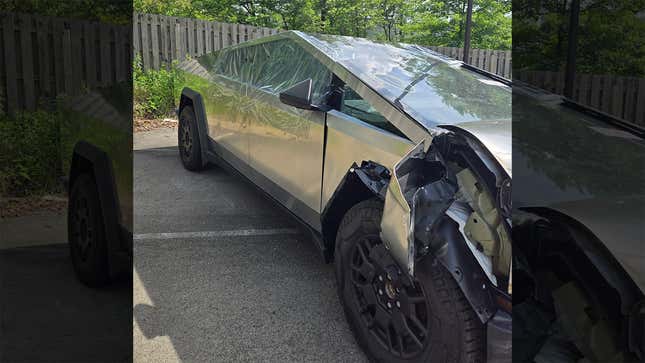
<point x="576" y="290"/>
<point x="446" y="202"/>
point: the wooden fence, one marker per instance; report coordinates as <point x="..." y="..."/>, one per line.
<point x="495" y="61"/>
<point x="46" y="57"/>
<point x="623" y="97"/>
<point x="159" y="39"/>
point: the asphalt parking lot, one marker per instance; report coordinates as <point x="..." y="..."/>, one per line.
<point x="47" y="315"/>
<point x="222" y="274"/>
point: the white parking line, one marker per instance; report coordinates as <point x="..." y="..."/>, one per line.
<point x="212" y="234"/>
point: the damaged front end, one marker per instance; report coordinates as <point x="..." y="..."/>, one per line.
<point x="451" y="201"/>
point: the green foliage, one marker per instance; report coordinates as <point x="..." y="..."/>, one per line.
<point x="107" y="11"/>
<point x="30" y="158"/>
<point x="609" y="36"/>
<point x="155" y="91"/>
<point x="442" y="23"/>
<point x="433" y="23"/>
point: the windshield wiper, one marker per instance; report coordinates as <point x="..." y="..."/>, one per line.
<point x="421" y="77"/>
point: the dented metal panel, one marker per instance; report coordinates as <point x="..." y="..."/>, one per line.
<point x="350" y="141"/>
<point x="396" y="225"/>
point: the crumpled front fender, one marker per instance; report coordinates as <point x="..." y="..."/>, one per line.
<point x="397" y="222"/>
<point x="433" y="212"/>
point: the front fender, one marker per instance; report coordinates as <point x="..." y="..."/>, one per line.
<point x="437" y="209"/>
<point x="89" y="158"/>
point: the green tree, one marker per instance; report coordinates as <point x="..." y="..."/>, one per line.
<point x="442" y="23"/>
<point x="423" y="22"/>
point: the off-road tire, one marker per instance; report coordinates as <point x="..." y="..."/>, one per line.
<point x="188" y="141"/>
<point x="86" y="233"/>
<point x="457" y="337"/>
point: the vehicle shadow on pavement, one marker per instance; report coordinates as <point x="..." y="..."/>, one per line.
<point x="227" y="297"/>
<point x="47" y="315"/>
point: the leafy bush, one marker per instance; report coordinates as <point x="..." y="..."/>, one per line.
<point x="30" y="160"/>
<point x="155" y="90"/>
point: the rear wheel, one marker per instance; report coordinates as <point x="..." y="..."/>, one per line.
<point x="394" y="318"/>
<point x="86" y="232"/>
<point x="188" y="140"/>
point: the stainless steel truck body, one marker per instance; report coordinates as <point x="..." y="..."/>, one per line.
<point x="407" y="148"/>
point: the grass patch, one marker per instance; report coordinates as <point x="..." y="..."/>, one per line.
<point x="156" y="91"/>
<point x="30" y="158"/>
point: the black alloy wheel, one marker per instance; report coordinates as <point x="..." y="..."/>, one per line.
<point x="392" y="307"/>
<point x="188" y="142"/>
<point x="396" y="317"/>
<point x="86" y="232"/>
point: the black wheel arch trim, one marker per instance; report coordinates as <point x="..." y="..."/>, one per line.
<point x="451" y="251"/>
<point x="598" y="257"/>
<point x="190" y="96"/>
<point x="594" y="250"/>
<point x="359" y="183"/>
<point x="87" y="157"/>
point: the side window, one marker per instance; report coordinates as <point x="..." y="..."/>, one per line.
<point x="288" y="64"/>
<point x="357" y="107"/>
<point x="240" y="63"/>
<point x="274" y="67"/>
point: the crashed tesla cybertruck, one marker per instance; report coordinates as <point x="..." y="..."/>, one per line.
<point x="396" y="158"/>
<point x="578" y="227"/>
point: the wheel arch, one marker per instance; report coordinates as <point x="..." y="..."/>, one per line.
<point x="589" y="245"/>
<point x="359" y="184"/>
<point x="595" y="267"/>
<point x="88" y="158"/>
<point x="190" y="97"/>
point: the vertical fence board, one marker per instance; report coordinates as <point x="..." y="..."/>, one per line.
<point x="76" y="56"/>
<point x="145" y="41"/>
<point x="8" y="24"/>
<point x="226" y="38"/>
<point x="136" y="35"/>
<point x="190" y="31"/>
<point x="617" y="97"/>
<point x="26" y="48"/>
<point x="201" y="35"/>
<point x="178" y="40"/>
<point x="66" y="49"/>
<point x="119" y="54"/>
<point x="163" y="39"/>
<point x="217" y="31"/>
<point x="234" y="34"/>
<point x="43" y="25"/>
<point x="630" y="93"/>
<point x="58" y="55"/>
<point x="89" y="39"/>
<point x="639" y="117"/>
<point x="172" y="38"/>
<point x="154" y="26"/>
<point x="208" y="28"/>
<point x="105" y="53"/>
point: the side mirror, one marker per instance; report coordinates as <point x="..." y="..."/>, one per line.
<point x="299" y="95"/>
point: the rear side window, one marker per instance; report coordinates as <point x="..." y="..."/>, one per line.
<point x="353" y="105"/>
<point x="274" y="67"/>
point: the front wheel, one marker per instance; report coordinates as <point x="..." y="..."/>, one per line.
<point x="86" y="232"/>
<point x="190" y="150"/>
<point x="395" y="318"/>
